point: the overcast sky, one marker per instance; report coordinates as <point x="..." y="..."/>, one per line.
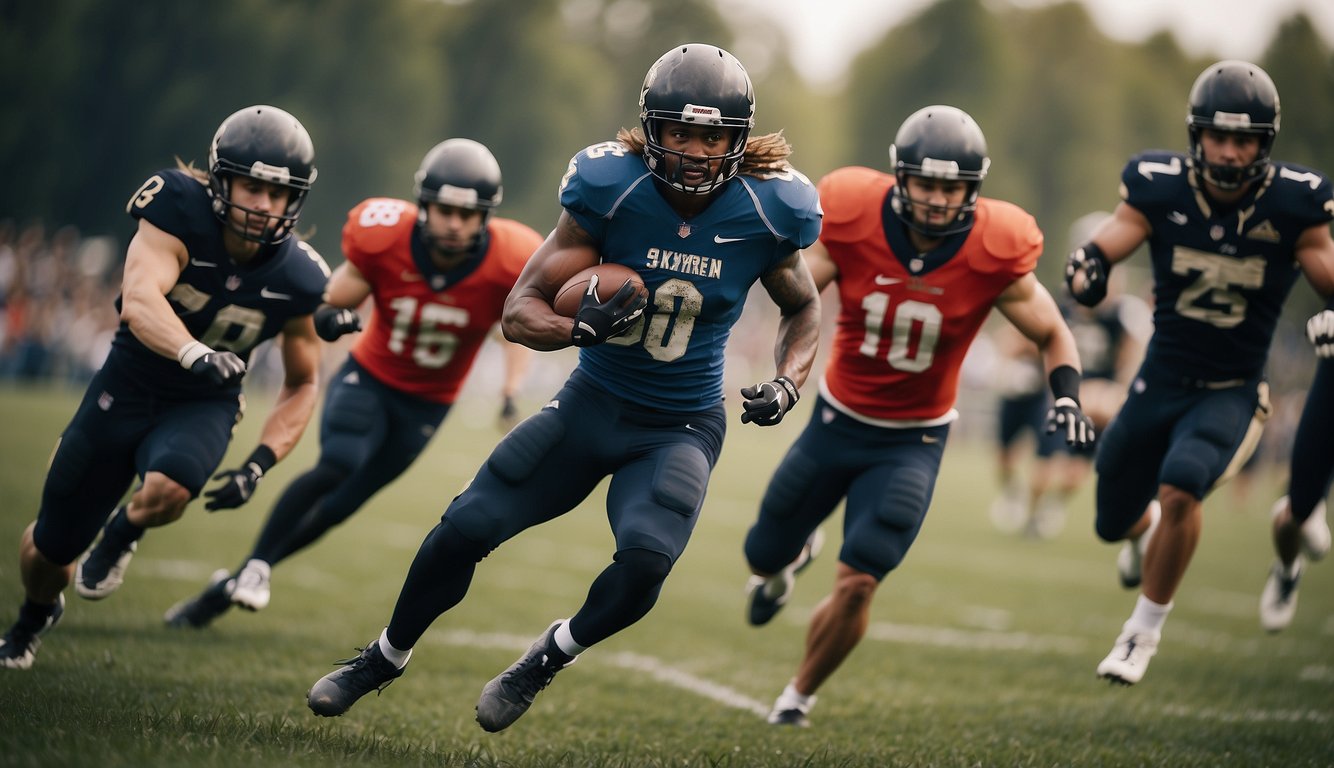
<point x="826" y="34"/>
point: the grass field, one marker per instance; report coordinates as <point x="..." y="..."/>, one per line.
<point x="981" y="651"/>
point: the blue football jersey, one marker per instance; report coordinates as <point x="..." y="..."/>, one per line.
<point x="697" y="270"/>
<point x="1220" y="275"/>
<point x="223" y="305"/>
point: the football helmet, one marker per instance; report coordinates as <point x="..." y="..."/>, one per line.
<point x="939" y="142"/>
<point x="264" y="143"/>
<point x="701" y="84"/>
<point x="458" y="172"/>
<point x="1233" y="96"/>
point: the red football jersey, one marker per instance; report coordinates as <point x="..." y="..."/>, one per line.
<point x="902" y="334"/>
<point x="422" y="338"/>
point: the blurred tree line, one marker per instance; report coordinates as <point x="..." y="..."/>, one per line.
<point x="95" y="95"/>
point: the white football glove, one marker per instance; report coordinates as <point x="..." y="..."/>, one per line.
<point x="1320" y="330"/>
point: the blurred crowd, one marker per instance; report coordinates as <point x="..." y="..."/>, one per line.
<point x="57" y="302"/>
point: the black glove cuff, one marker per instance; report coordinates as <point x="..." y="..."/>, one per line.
<point x="1093" y="253"/>
<point x="1064" y="382"/>
<point x="791" y="388"/>
<point x="263" y="457"/>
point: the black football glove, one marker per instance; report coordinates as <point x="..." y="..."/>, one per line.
<point x="222" y="368"/>
<point x="332" y="322"/>
<point x="1320" y="330"/>
<point x="598" y="321"/>
<point x="769" y="401"/>
<point x="1066" y="415"/>
<point x="238" y="485"/>
<point x="1094" y="266"/>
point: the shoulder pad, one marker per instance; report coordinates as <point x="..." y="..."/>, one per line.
<point x="1009" y="237"/>
<point x="598" y="176"/>
<point x="512" y="242"/>
<point x="1306" y="193"/>
<point x="853" y="199"/>
<point x="174" y="202"/>
<point x="1156" y="177"/>
<point x="790" y="203"/>
<point x="377" y="224"/>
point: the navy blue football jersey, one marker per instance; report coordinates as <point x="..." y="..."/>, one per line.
<point x="1220" y="275"/>
<point x="697" y="271"/>
<point x="223" y="305"/>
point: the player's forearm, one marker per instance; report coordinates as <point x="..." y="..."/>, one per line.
<point x="530" y="321"/>
<point x="289" y="417"/>
<point x="152" y="322"/>
<point x="798" y="340"/>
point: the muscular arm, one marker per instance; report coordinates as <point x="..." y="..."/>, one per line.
<point x="528" y="318"/>
<point x="793" y="289"/>
<point x="1120" y="234"/>
<point x="1315" y="253"/>
<point x="823" y="269"/>
<point x="1031" y="309"/>
<point x="153" y="264"/>
<point x="300" y="389"/>
<point x="348" y="288"/>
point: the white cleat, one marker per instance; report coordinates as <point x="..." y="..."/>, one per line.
<point x="1315" y="534"/>
<point x="1278" y="601"/>
<point x="251" y="590"/>
<point x="1129" y="657"/>
<point x="1130" y="560"/>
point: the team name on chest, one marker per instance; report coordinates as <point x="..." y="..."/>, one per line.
<point x="685" y="263"/>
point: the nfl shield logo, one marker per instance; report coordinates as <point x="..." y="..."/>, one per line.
<point x="105" y="400"/>
<point x="233" y="282"/>
<point x="1216" y="232"/>
<point x="683" y="231"/>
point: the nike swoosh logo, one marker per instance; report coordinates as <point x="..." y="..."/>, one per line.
<point x="882" y="280"/>
<point x="198" y="263"/>
<point x="928" y="439"/>
<point x="267" y="294"/>
<point x="1177" y="217"/>
<point x="720" y="240"/>
<point x="691" y="427"/>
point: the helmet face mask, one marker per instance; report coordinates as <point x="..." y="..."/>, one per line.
<point x="1232" y="97"/>
<point x="696" y="84"/>
<point x="939" y="142"/>
<point x="270" y="145"/>
<point x="460" y="173"/>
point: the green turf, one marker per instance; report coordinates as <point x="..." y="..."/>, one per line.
<point x="981" y="650"/>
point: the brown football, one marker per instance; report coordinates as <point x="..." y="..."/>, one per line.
<point x="610" y="279"/>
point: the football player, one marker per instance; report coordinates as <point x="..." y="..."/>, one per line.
<point x="438" y="271"/>
<point x="1300" y="526"/>
<point x="920" y="260"/>
<point x="1227" y="228"/>
<point x="701" y="210"/>
<point x="213" y="270"/>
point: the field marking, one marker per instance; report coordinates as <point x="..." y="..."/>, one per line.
<point x="638" y="662"/>
<point x="1250" y="715"/>
<point x="969" y="639"/>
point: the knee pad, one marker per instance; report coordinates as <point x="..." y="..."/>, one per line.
<point x="876" y="544"/>
<point x="643" y="569"/>
<point x="680" y="479"/>
<point x="448" y="544"/>
<point x="524" y="448"/>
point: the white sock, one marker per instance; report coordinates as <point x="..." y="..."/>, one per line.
<point x="258" y="565"/>
<point x="791" y="699"/>
<point x="565" y="641"/>
<point x="395" y="656"/>
<point x="1148" y="616"/>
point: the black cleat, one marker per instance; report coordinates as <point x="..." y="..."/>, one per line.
<point x="511" y="693"/>
<point x="102" y="569"/>
<point x="767" y="596"/>
<point x="200" y="611"/>
<point x="336" y="692"/>
<point x="19" y="646"/>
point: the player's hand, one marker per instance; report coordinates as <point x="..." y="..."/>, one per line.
<point x="598" y="321"/>
<point x="1066" y="416"/>
<point x="1320" y="330"/>
<point x="509" y="414"/>
<point x="222" y="368"/>
<point x="769" y="401"/>
<point x="238" y="485"/>
<point x="333" y="322"/>
<point x="1093" y="268"/>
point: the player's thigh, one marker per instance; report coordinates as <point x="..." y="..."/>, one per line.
<point x="888" y="501"/>
<point x="188" y="441"/>
<point x="654" y="499"/>
<point x="803" y="491"/>
<point x="1214" y="439"/>
<point x="90" y="470"/>
<point x="354" y="421"/>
